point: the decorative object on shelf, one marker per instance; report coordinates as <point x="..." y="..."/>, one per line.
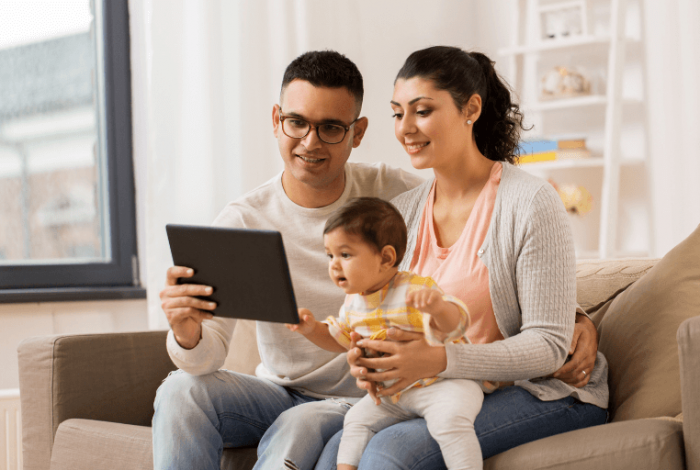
<point x="563" y="19"/>
<point x="565" y="147"/>
<point x="564" y="82"/>
<point x="577" y="200"/>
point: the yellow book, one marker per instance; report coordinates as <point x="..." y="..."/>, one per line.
<point x="538" y="157"/>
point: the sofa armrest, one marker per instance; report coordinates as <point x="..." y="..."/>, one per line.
<point x="106" y="377"/>
<point x="689" y="357"/>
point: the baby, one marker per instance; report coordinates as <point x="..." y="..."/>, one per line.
<point x="365" y="241"/>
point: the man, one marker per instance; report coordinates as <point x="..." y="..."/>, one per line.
<point x="300" y="389"/>
<point x="299" y="396"/>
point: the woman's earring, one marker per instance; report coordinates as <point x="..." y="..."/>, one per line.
<point x="469" y="122"/>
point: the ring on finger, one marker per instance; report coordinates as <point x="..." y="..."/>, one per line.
<point x="583" y="372"/>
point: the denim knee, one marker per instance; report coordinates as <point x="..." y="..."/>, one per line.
<point x="181" y="389"/>
<point x="299" y="434"/>
<point x="317" y="419"/>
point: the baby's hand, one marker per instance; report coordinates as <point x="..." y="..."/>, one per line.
<point x="307" y="322"/>
<point x="426" y="300"/>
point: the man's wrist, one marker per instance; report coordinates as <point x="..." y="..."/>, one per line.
<point x="185" y="344"/>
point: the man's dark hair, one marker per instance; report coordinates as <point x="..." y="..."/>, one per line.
<point x="378" y="222"/>
<point x="328" y="69"/>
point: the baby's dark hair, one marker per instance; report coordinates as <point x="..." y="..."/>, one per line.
<point x="378" y="222"/>
<point x="462" y="74"/>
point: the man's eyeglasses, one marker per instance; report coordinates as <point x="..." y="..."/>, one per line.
<point x="297" y="128"/>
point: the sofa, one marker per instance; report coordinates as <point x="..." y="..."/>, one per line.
<point x="87" y="400"/>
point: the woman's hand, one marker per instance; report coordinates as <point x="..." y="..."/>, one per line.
<point x="184" y="311"/>
<point x="584" y="346"/>
<point x="358" y="371"/>
<point x="407" y="358"/>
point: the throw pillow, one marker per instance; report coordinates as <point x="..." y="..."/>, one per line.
<point x="638" y="334"/>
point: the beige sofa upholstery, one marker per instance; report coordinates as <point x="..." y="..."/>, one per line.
<point x="87" y="399"/>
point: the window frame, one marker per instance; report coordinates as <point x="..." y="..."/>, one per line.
<point x="118" y="278"/>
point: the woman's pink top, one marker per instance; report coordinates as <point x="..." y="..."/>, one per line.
<point x="458" y="270"/>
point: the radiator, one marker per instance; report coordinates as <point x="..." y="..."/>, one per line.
<point x="10" y="431"/>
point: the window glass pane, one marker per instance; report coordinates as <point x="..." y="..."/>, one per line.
<point x="52" y="182"/>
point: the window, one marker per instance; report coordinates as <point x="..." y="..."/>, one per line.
<point x="67" y="215"/>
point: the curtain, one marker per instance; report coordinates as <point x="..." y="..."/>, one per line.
<point x="206" y="137"/>
<point x="673" y="106"/>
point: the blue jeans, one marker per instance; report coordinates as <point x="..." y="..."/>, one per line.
<point x="196" y="417"/>
<point x="509" y="417"/>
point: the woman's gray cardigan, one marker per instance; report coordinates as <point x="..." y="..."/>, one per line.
<point x="529" y="253"/>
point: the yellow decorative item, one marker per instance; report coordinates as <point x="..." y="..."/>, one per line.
<point x="577" y="200"/>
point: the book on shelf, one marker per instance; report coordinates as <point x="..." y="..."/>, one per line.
<point x="566" y="147"/>
<point x="537" y="157"/>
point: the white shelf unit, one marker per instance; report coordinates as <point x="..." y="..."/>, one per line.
<point x="602" y="45"/>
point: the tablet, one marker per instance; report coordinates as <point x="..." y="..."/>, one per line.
<point x="247" y="268"/>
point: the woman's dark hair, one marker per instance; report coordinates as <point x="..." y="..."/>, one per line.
<point x="461" y="73"/>
<point x="328" y="69"/>
<point x="378" y="222"/>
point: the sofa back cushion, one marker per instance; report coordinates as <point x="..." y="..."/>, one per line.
<point x="638" y="334"/>
<point x="599" y="281"/>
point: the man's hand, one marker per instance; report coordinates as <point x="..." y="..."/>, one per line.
<point x="584" y="346"/>
<point x="307" y="323"/>
<point x="407" y="358"/>
<point x="185" y="313"/>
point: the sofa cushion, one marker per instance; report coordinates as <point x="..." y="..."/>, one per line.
<point x="638" y="334"/>
<point x="631" y="445"/>
<point x="88" y="444"/>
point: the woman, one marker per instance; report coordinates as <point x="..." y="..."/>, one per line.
<point x="498" y="239"/>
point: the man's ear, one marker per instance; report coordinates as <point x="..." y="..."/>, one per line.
<point x="276" y="127"/>
<point x="360" y="129"/>
<point x="472" y="109"/>
<point x="388" y="257"/>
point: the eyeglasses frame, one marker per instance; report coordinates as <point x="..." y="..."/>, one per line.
<point x="313" y="125"/>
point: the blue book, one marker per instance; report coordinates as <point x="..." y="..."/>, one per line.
<point x="528" y="147"/>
